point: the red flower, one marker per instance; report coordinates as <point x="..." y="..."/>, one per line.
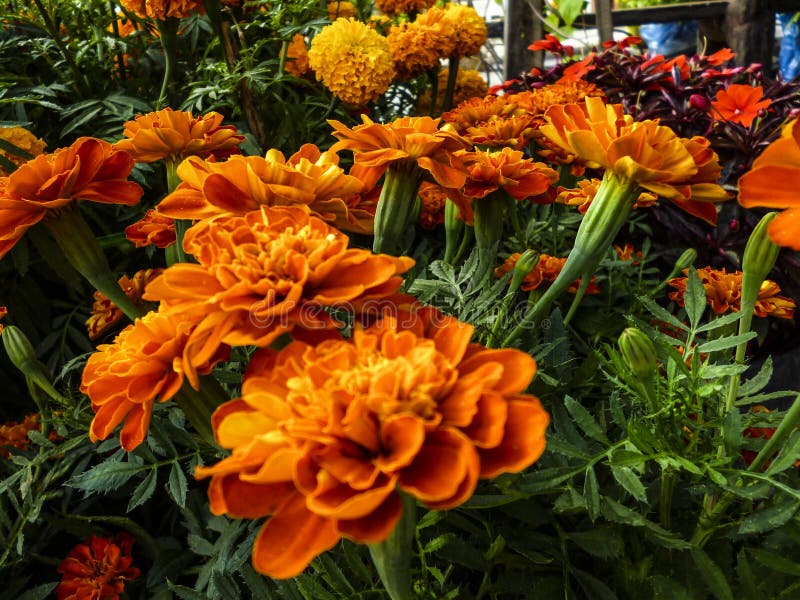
<point x="551" y="44"/>
<point x="97" y="569"/>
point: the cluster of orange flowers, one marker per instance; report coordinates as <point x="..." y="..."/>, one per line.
<point x="97" y="569"/>
<point x="163" y="9"/>
<point x="545" y="272"/>
<point x="724" y="293"/>
<point x="15" y="435"/>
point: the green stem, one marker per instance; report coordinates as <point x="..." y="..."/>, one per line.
<point x="668" y="479"/>
<point x="453" y="230"/>
<point x="168" y="32"/>
<point x="488" y="232"/>
<point x="81" y="83"/>
<point x="392" y="556"/>
<point x="396" y="207"/>
<point x="452" y="77"/>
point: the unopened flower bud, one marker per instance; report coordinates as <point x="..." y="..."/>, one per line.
<point x="686" y="259"/>
<point x="699" y="102"/>
<point x="733" y="225"/>
<point x="639" y="351"/>
<point x="525" y="264"/>
<point x="759" y="257"/>
<point x="18" y="347"/>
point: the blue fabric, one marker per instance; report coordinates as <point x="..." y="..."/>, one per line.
<point x="789" y="54"/>
<point x="669" y="38"/>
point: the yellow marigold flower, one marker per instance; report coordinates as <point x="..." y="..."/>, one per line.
<point x="341" y="9"/>
<point x="263" y="274"/>
<point x="22" y="139"/>
<point x="469" y="84"/>
<point x="245" y="183"/>
<point x="412" y="50"/>
<point x="546" y="271"/>
<point x="326" y="436"/>
<point x="650" y="155"/>
<point x="724" y="293"/>
<point x="397" y="7"/>
<point x="463" y="28"/>
<point x="172" y="135"/>
<point x="583" y="195"/>
<point x="161" y="9"/>
<point x="296" y="56"/>
<point x="353" y="61"/>
<point x="106" y="314"/>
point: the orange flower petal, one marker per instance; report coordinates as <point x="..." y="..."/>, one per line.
<point x="376" y="526"/>
<point x="523" y="441"/>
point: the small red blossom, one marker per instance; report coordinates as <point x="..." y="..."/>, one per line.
<point x="578" y="70"/>
<point x="97" y="569"/>
<point x="720" y="56"/>
<point x="740" y="103"/>
<point x="552" y="44"/>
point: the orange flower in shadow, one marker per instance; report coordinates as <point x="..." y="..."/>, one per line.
<point x="324" y="436"/>
<point x="125" y="378"/>
<point x="154" y="229"/>
<point x="724" y="293"/>
<point x="546" y="271"/>
<point x="106" y="314"/>
<point x="297" y="56"/>
<point x="432" y="199"/>
<point x="97" y="569"/>
<point x="172" y="135"/>
<point x="244" y="184"/>
<point x="739" y="103"/>
<point x="682" y="170"/>
<point x="406" y="142"/>
<point x="772" y="183"/>
<point x="89" y="169"/>
<point x="15" y="435"/>
<point x="583" y="195"/>
<point x="164" y="9"/>
<point x="262" y="274"/>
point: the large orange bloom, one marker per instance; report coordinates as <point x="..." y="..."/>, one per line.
<point x="106" y="314"/>
<point x="406" y="141"/>
<point x="739" y="103"/>
<point x="89" y="169"/>
<point x="243" y="184"/>
<point x="261" y="274"/>
<point x="97" y="569"/>
<point x="324" y="436"/>
<point x="772" y="183"/>
<point x="682" y="170"/>
<point x="724" y="293"/>
<point x="172" y="135"/>
<point x="125" y="378"/>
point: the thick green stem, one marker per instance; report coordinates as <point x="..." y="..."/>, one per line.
<point x="81" y="249"/>
<point x="668" y="480"/>
<point x="452" y="77"/>
<point x="607" y="214"/>
<point x="168" y="32"/>
<point x="453" y="231"/>
<point x="392" y="556"/>
<point x="488" y="232"/>
<point x="396" y="207"/>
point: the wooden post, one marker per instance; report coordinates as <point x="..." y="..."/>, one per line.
<point x="750" y="31"/>
<point x="605" y="23"/>
<point x="520" y="29"/>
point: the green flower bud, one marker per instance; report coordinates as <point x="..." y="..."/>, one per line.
<point x="638" y="351"/>
<point x="685" y="260"/>
<point x="759" y="257"/>
<point x="19" y="348"/>
<point x="525" y="264"/>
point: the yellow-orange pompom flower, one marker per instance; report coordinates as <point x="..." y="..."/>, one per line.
<point x="353" y="61"/>
<point x="724" y="293"/>
<point x="22" y="139"/>
<point x="171" y="135"/>
<point x="105" y="313"/>
<point x="125" y="378"/>
<point x="341" y="9"/>
<point x="264" y="273"/>
<point x="684" y="171"/>
<point x="89" y="169"/>
<point x="772" y="183"/>
<point x="412" y="50"/>
<point x="325" y="436"/>
<point x="97" y="569"/>
<point x="243" y="184"/>
<point x="463" y="29"/>
<point x="162" y="9"/>
<point x="397" y="7"/>
<point x="296" y="56"/>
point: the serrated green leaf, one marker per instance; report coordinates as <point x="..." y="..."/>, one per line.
<point x="627" y="457"/>
<point x="767" y="519"/>
<point x="713" y="575"/>
<point x="591" y="493"/>
<point x="789" y="455"/>
<point x="177" y="485"/>
<point x="718" y="322"/>
<point x="724" y="343"/>
<point x="775" y="562"/>
<point x="602" y="542"/>
<point x="716" y="476"/>
<point x="759" y="381"/>
<point x="584" y="419"/>
<point x="630" y="481"/>
<point x="747" y="582"/>
<point x="694" y="298"/>
<point x="106" y="476"/>
<point x="185" y="593"/>
<point x="543" y="479"/>
<point x="144" y="490"/>
<point x="40" y="592"/>
<point x="435" y="544"/>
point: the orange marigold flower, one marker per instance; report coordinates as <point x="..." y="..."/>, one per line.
<point x="23" y="139"/>
<point x="296" y="56"/>
<point x="464" y="30"/>
<point x="583" y="195"/>
<point x="772" y="183"/>
<point x="628" y="253"/>
<point x="724" y="293"/>
<point x="89" y="169"/>
<point x="353" y="61"/>
<point x="545" y="271"/>
<point x="412" y="50"/>
<point x="15" y="435"/>
<point x="243" y="184"/>
<point x="397" y="7"/>
<point x="739" y="103"/>
<point x="172" y="135"/>
<point x="408" y="140"/>
<point x="261" y="274"/>
<point x="341" y="8"/>
<point x="154" y="228"/>
<point x="105" y="313"/>
<point x="162" y="9"/>
<point x="682" y="170"/>
<point x="433" y="199"/>
<point x="475" y="111"/>
<point x="324" y="436"/>
<point x="125" y="378"/>
<point x="97" y="569"/>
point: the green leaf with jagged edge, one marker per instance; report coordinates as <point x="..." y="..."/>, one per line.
<point x="718" y="322"/>
<point x="767" y="519"/>
<point x="713" y="575"/>
<point x="585" y="420"/>
<point x="602" y="542"/>
<point x="144" y="490"/>
<point x="758" y="382"/>
<point x="694" y="298"/>
<point x="775" y="561"/>
<point x="108" y="475"/>
<point x="725" y="343"/>
<point x="661" y="313"/>
<point x="177" y="485"/>
<point x="630" y="481"/>
<point x="591" y="494"/>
